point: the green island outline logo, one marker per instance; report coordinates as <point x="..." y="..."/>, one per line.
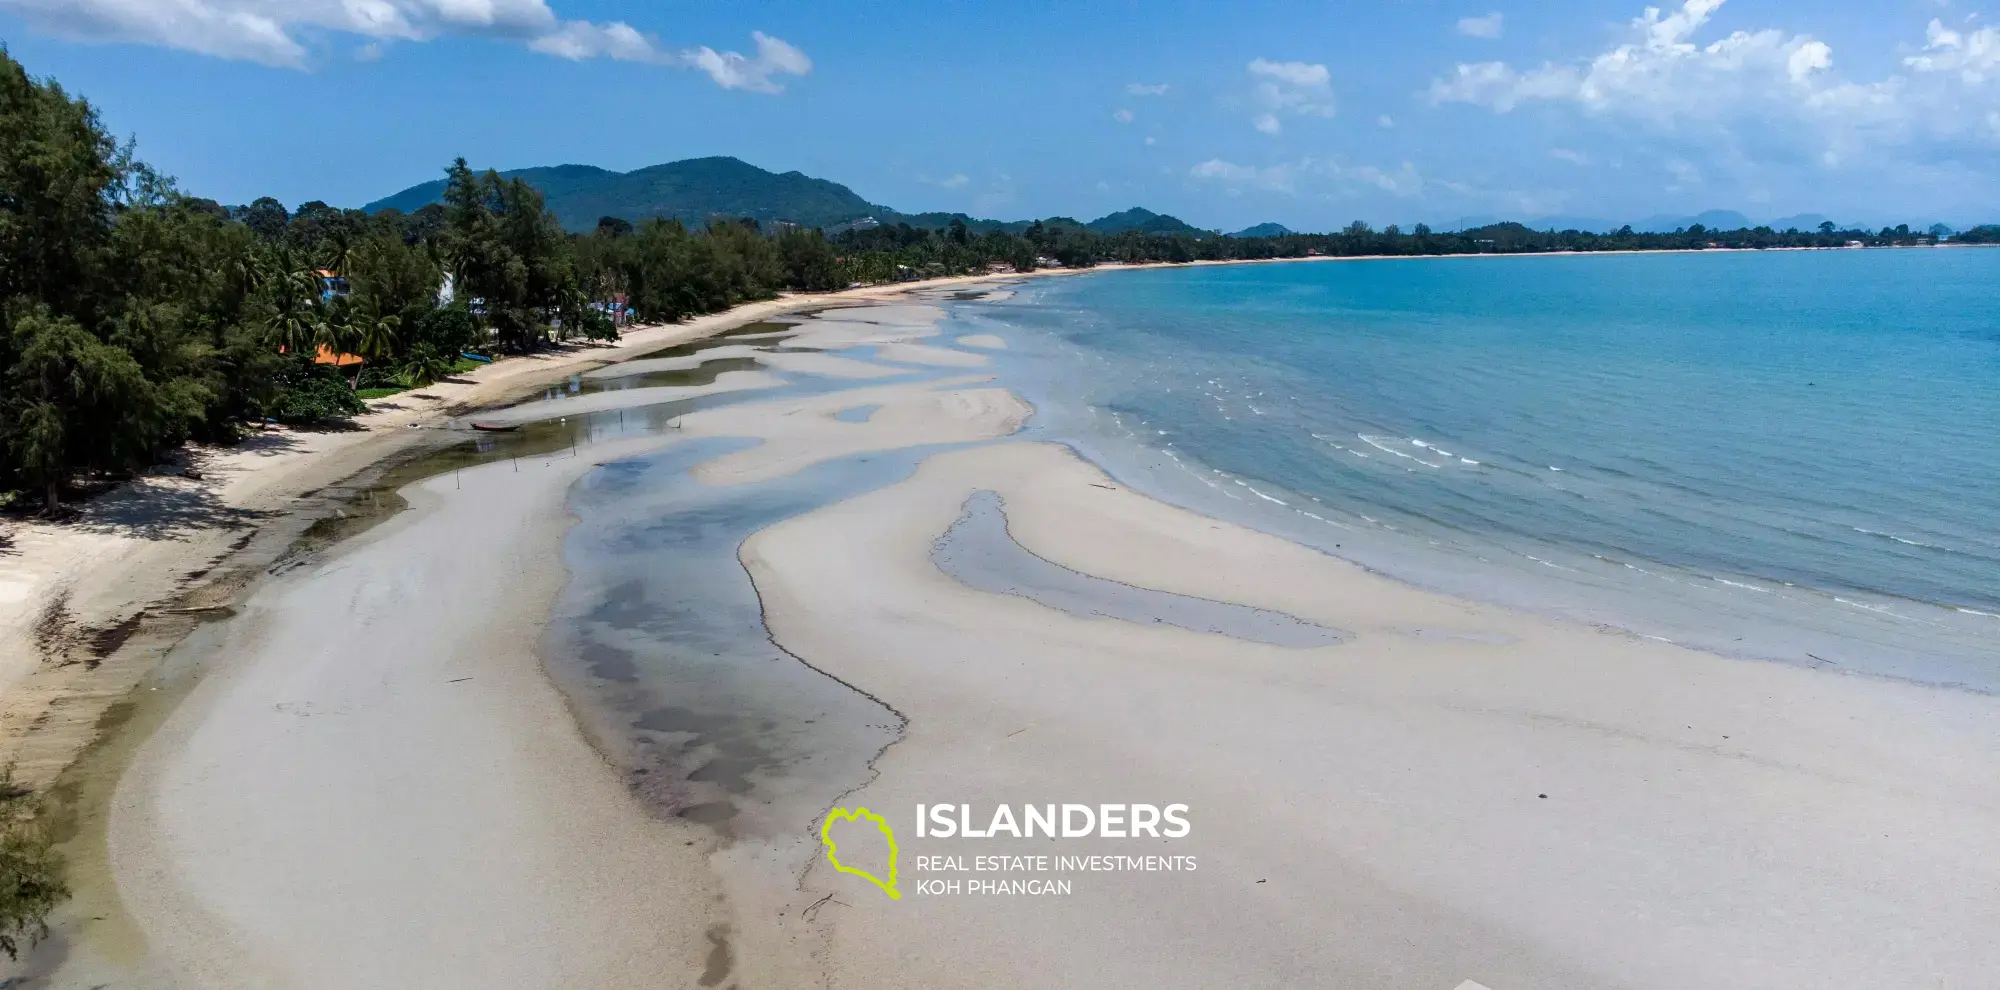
<point x="833" y="852"/>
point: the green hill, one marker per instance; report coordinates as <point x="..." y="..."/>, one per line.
<point x="1264" y="230"/>
<point x="1143" y="220"/>
<point x="697" y="189"/>
<point x="690" y="191"/>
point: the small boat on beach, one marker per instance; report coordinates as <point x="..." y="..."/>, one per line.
<point x="496" y="427"/>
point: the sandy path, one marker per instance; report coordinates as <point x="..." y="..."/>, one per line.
<point x="405" y="801"/>
<point x="1371" y="813"/>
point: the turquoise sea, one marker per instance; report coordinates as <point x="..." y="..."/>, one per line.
<point x="1785" y="455"/>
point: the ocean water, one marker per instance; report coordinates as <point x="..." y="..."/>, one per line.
<point x="1785" y="455"/>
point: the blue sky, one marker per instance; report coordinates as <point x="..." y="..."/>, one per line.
<point x="1223" y="114"/>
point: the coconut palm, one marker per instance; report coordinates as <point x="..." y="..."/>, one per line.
<point x="339" y="251"/>
<point x="295" y="322"/>
<point x="374" y="334"/>
<point x="426" y="364"/>
<point x="297" y="318"/>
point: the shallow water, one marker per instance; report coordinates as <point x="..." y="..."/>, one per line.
<point x="661" y="635"/>
<point x="978" y="552"/>
<point x="1785" y="455"/>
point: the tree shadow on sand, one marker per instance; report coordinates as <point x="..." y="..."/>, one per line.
<point x="160" y="509"/>
<point x="175" y="501"/>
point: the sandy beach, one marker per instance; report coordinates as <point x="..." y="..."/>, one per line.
<point x="375" y="780"/>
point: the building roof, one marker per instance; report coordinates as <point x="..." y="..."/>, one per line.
<point x="327" y="355"/>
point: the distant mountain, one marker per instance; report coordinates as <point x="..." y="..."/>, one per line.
<point x="1589" y="225"/>
<point x="1802" y="221"/>
<point x="1142" y="220"/>
<point x="1264" y="230"/>
<point x="691" y="191"/>
<point x="1665" y="223"/>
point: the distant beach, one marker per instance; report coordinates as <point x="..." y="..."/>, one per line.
<point x="575" y="717"/>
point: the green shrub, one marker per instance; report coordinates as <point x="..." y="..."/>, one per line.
<point x="309" y="393"/>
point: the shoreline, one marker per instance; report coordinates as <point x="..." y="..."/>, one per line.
<point x="195" y="773"/>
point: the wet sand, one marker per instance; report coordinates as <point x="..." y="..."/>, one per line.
<point x="872" y="597"/>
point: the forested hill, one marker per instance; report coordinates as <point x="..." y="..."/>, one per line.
<point x="700" y="189"/>
<point x="1144" y="221"/>
<point x="690" y="191"/>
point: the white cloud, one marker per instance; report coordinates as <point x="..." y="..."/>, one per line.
<point x="277" y="32"/>
<point x="1122" y="115"/>
<point x="1147" y="89"/>
<point x="1762" y="87"/>
<point x="1972" y="57"/>
<point x="1480" y="27"/>
<point x="734" y="71"/>
<point x="578" y="40"/>
<point x="957" y="180"/>
<point x="1290" y="88"/>
<point x="1385" y="122"/>
<point x="1149" y="141"/>
<point x="242" y="32"/>
<point x="1566" y="155"/>
<point x="1403" y="181"/>
<point x="1286" y="177"/>
<point x="1277" y="178"/>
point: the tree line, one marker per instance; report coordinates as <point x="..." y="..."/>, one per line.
<point x="883" y="253"/>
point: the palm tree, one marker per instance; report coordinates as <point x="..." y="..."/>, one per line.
<point x="297" y="318"/>
<point x="374" y="333"/>
<point x="295" y="322"/>
<point x="340" y="250"/>
<point x="426" y="364"/>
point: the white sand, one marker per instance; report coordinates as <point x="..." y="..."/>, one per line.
<point x="988" y="341"/>
<point x="1366" y="814"/>
<point x="380" y="788"/>
<point x="801" y="432"/>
